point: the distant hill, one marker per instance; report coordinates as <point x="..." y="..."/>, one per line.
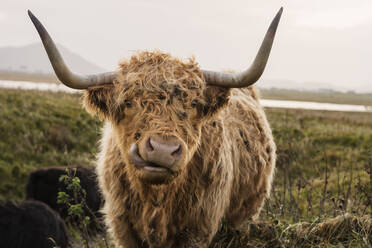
<point x="33" y="59"/>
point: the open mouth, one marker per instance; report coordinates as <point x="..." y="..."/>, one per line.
<point x="140" y="163"/>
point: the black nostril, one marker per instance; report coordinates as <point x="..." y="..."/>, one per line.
<point x="177" y="152"/>
<point x="137" y="135"/>
<point x="149" y="145"/>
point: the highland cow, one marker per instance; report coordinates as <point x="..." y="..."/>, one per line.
<point x="44" y="185"/>
<point x="31" y="224"/>
<point x="182" y="148"/>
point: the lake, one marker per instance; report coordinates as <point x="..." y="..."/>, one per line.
<point x="265" y="102"/>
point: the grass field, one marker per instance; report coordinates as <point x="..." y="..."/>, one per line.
<point x="322" y="192"/>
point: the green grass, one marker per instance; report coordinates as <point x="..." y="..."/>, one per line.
<point x="39" y="129"/>
<point x="324" y="166"/>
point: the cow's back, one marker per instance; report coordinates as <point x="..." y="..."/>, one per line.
<point x="31" y="224"/>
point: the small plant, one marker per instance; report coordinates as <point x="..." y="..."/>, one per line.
<point x="54" y="243"/>
<point x="75" y="201"/>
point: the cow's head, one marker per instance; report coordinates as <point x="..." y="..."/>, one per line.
<point x="157" y="104"/>
<point x="156" y="107"/>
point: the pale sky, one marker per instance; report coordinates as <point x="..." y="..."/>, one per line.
<point x="323" y="41"/>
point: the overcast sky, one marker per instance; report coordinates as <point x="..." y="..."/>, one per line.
<point x="326" y="41"/>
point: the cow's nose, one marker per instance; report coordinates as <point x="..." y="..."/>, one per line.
<point x="162" y="152"/>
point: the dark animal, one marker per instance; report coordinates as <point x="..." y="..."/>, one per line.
<point x="44" y="185"/>
<point x="182" y="148"/>
<point x="31" y="224"/>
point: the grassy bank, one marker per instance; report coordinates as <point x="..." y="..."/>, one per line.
<point x="28" y="76"/>
<point x="310" y="96"/>
<point x="41" y="129"/>
<point x="324" y="167"/>
<point x="324" y="164"/>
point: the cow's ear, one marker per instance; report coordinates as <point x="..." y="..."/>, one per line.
<point x="216" y="98"/>
<point x="99" y="100"/>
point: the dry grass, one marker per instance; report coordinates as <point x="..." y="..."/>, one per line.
<point x="344" y="230"/>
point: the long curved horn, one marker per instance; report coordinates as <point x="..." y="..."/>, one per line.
<point x="252" y="74"/>
<point x="64" y="74"/>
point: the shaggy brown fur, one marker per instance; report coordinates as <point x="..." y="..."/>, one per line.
<point x="229" y="162"/>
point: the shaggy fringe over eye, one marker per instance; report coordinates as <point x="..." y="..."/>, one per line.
<point x="158" y="85"/>
<point x="157" y="71"/>
<point x="146" y="73"/>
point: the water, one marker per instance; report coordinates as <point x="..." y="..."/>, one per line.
<point x="314" y="106"/>
<point x="264" y="102"/>
<point x="23" y="85"/>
